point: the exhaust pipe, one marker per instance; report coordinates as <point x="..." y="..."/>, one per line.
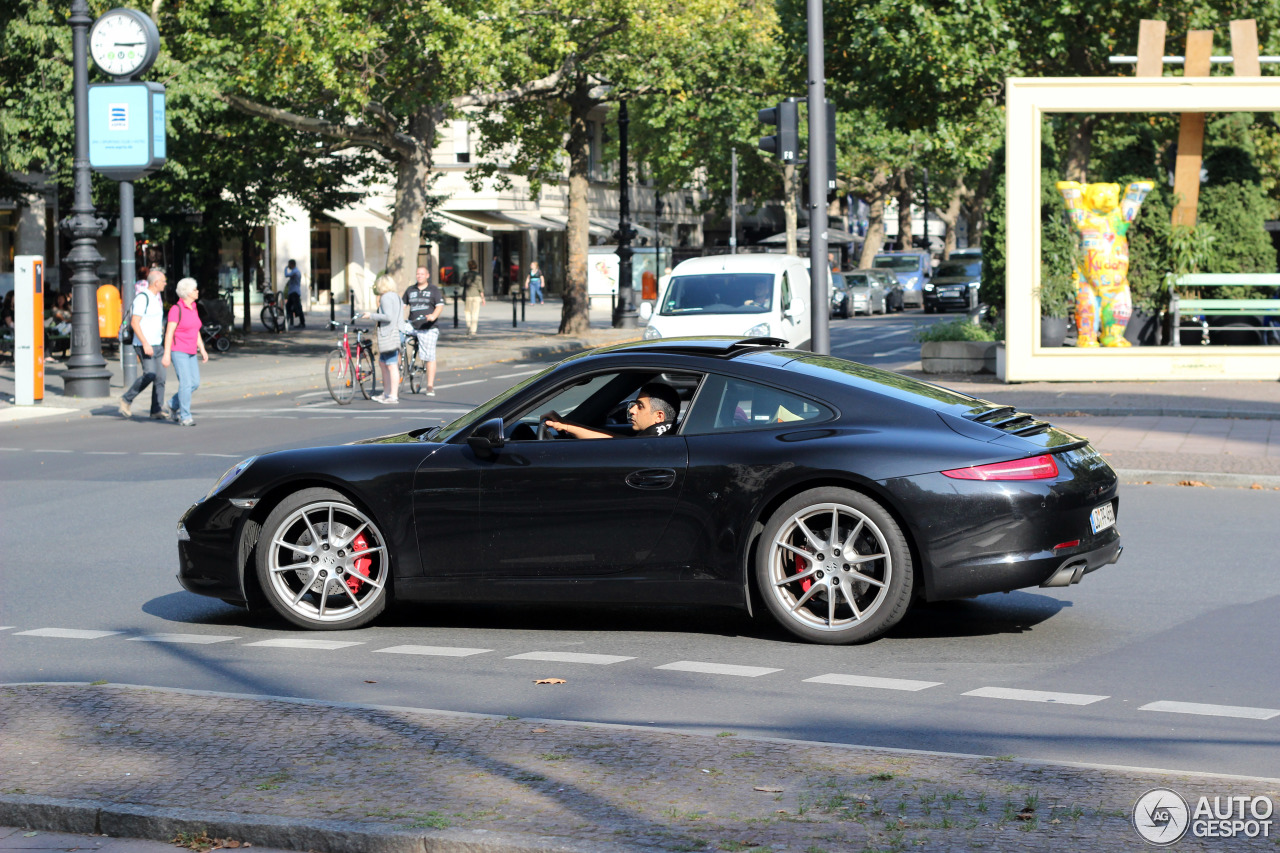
<point x="1068" y="573"/>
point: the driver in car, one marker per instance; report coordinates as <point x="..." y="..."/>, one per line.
<point x="653" y="413"/>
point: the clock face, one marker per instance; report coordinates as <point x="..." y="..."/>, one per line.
<point x="121" y="44"/>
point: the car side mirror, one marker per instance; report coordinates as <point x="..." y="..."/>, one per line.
<point x="646" y="311"/>
<point x="487" y="438"/>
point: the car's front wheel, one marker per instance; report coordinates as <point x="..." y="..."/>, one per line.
<point x="834" y="567"/>
<point x="322" y="562"/>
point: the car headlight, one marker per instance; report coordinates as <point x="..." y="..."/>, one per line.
<point x="758" y="330"/>
<point x="651" y="334"/>
<point x="929" y="286"/>
<point x="228" y="478"/>
<point x="837" y="297"/>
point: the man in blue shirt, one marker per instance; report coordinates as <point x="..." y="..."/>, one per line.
<point x="293" y="294"/>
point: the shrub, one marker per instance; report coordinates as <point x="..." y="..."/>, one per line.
<point x="960" y="329"/>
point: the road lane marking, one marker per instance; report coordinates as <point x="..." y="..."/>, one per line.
<point x="291" y="643"/>
<point x="194" y="639"/>
<point x="6" y="628"/>
<point x="468" y="382"/>
<point x="222" y="455"/>
<point x="373" y="417"/>
<point x="868" y="339"/>
<point x="1212" y="710"/>
<point x="718" y="668"/>
<point x="107" y="452"/>
<point x="898" y="351"/>
<point x="1035" y="696"/>
<point x="279" y="417"/>
<point x="67" y="633"/>
<point x="570" y="657"/>
<point x="13" y="449"/>
<point x="873" y="681"/>
<point x="439" y="651"/>
<point x="48" y="450"/>
<point x="159" y="453"/>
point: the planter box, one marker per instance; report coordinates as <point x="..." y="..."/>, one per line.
<point x="958" y="357"/>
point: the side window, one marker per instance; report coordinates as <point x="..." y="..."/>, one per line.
<point x="786" y="291"/>
<point x="728" y="405"/>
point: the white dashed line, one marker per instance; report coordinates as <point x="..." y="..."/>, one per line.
<point x="12" y="449"/>
<point x="1212" y="710"/>
<point x="872" y="681"/>
<point x="6" y="627"/>
<point x="868" y="339"/>
<point x="108" y="453"/>
<point x="718" y="668"/>
<point x="438" y="651"/>
<point x="460" y="384"/>
<point x="47" y="450"/>
<point x="67" y="633"/>
<point x="221" y="455"/>
<point x="1035" y="696"/>
<point x="570" y="657"/>
<point x="159" y="453"/>
<point x="319" y="645"/>
<point x="193" y="639"/>
<point x="279" y="418"/>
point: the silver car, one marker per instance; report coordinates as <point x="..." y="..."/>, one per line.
<point x="858" y="292"/>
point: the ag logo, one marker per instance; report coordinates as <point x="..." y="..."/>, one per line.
<point x="1160" y="816"/>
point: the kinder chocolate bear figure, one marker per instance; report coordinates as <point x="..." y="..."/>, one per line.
<point x="1103" y="303"/>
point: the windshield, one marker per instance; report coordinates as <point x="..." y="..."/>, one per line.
<point x="857" y="280"/>
<point x="956" y="269"/>
<point x="719" y="293"/>
<point x="898" y="263"/>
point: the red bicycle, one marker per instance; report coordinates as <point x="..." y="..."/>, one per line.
<point x="349" y="367"/>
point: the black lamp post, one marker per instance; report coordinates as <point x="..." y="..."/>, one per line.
<point x="624" y="314"/>
<point x="87" y="375"/>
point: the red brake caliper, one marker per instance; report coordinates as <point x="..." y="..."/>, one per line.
<point x="801" y="567"/>
<point x="362" y="564"/>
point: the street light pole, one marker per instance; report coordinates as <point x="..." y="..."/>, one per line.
<point x="818" y="272"/>
<point x="733" y="202"/>
<point x="87" y="374"/>
<point x="624" y="313"/>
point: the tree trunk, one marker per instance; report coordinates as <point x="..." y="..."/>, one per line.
<point x="906" y="194"/>
<point x="413" y="171"/>
<point x="950" y="215"/>
<point x="977" y="203"/>
<point x="874" y="241"/>
<point x="790" y="190"/>
<point x="1079" y="147"/>
<point x="574" y="315"/>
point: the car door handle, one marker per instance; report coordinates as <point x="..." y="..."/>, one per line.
<point x="651" y="478"/>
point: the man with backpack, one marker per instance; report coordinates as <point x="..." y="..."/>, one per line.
<point x="147" y="326"/>
<point x="423" y="304"/>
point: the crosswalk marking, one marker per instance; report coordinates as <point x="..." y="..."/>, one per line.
<point x="159" y="453"/>
<point x="718" y="668"/>
<point x="193" y="639"/>
<point x="571" y="657"/>
<point x="67" y="633"/>
<point x="1035" y="696"/>
<point x="898" y="351"/>
<point x="873" y="681"/>
<point x="1212" y="710"/>
<point x="439" y="651"/>
<point x="293" y="643"/>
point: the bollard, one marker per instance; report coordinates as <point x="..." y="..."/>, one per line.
<point x="513" y="309"/>
<point x="455" y="308"/>
<point x="522" y="303"/>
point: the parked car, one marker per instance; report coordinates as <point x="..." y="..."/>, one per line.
<point x="968" y="253"/>
<point x="858" y="292"/>
<point x="736" y="295"/>
<point x="837" y="493"/>
<point x="954" y="286"/>
<point x="911" y="270"/>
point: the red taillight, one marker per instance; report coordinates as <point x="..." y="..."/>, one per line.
<point x="1036" y="468"/>
<point x="1070" y="543"/>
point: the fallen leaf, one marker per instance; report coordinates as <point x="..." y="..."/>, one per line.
<point x="549" y="681"/>
<point x="1027" y="814"/>
<point x="1194" y="483"/>
<point x="30" y="834"/>
<point x="370" y="682"/>
<point x="1055" y="820"/>
<point x="1257" y="487"/>
<point x="540" y="731"/>
<point x="1146" y="482"/>
<point x="767" y="789"/>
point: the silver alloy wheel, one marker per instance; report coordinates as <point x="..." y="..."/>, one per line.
<point x="829" y="567"/>
<point x="327" y="562"/>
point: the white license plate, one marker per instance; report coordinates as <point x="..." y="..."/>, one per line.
<point x="1102" y="518"/>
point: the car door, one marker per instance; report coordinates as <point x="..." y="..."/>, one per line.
<point x="446" y="511"/>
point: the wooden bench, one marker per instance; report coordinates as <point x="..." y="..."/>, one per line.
<point x="1178" y="305"/>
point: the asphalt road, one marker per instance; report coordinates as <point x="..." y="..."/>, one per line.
<point x="1167" y="659"/>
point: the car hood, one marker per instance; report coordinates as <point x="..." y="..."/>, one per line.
<point x="956" y="279"/>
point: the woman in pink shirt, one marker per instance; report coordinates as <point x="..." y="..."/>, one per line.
<point x="181" y="344"/>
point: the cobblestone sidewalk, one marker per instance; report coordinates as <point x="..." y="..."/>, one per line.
<point x="299" y="775"/>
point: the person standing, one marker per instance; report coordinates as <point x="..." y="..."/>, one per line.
<point x="423" y="304"/>
<point x="293" y="295"/>
<point x="182" y="343"/>
<point x="389" y="315"/>
<point x="533" y="283"/>
<point x="147" y="322"/>
<point x="473" y="296"/>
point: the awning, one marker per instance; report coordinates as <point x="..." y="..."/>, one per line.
<point x="529" y="220"/>
<point x="594" y="229"/>
<point x="464" y="234"/>
<point x="361" y="217"/>
<point x="504" y="220"/>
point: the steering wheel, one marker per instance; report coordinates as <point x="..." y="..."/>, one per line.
<point x="544" y="431"/>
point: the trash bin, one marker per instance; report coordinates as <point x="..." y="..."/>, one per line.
<point x="108" y="311"/>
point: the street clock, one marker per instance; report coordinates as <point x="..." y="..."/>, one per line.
<point x="124" y="42"/>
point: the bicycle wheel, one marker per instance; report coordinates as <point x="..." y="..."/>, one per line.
<point x="365" y="377"/>
<point x="273" y="318"/>
<point x="411" y="367"/>
<point x="338" y="375"/>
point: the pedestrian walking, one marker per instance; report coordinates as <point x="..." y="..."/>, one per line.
<point x="472" y="296"/>
<point x="293" y="295"/>
<point x="389" y="315"/>
<point x="182" y="345"/>
<point x="533" y="283"/>
<point x="423" y="304"/>
<point x="147" y="323"/>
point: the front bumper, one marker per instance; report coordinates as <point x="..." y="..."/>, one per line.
<point x="213" y="557"/>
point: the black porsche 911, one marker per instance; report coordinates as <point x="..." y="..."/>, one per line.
<point x="835" y="492"/>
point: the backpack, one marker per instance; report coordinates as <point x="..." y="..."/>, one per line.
<point x="126" y="329"/>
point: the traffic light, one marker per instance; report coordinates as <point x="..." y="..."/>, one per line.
<point x="785" y="117"/>
<point x="831" y="146"/>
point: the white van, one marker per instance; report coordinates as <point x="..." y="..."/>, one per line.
<point x="746" y="295"/>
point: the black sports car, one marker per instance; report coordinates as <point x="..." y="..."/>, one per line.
<point x="835" y="492"/>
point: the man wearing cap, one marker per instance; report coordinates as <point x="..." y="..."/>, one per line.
<point x="653" y="413"/>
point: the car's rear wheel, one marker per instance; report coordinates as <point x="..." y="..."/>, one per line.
<point x="322" y="562"/>
<point x="834" y="567"/>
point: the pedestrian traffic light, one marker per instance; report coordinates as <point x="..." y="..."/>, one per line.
<point x="831" y="146"/>
<point x="785" y="117"/>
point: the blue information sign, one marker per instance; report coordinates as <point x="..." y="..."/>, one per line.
<point x="126" y="129"/>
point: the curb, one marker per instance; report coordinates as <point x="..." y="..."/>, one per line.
<point x="1152" y="412"/>
<point x="84" y="817"/>
<point x="1145" y="476"/>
